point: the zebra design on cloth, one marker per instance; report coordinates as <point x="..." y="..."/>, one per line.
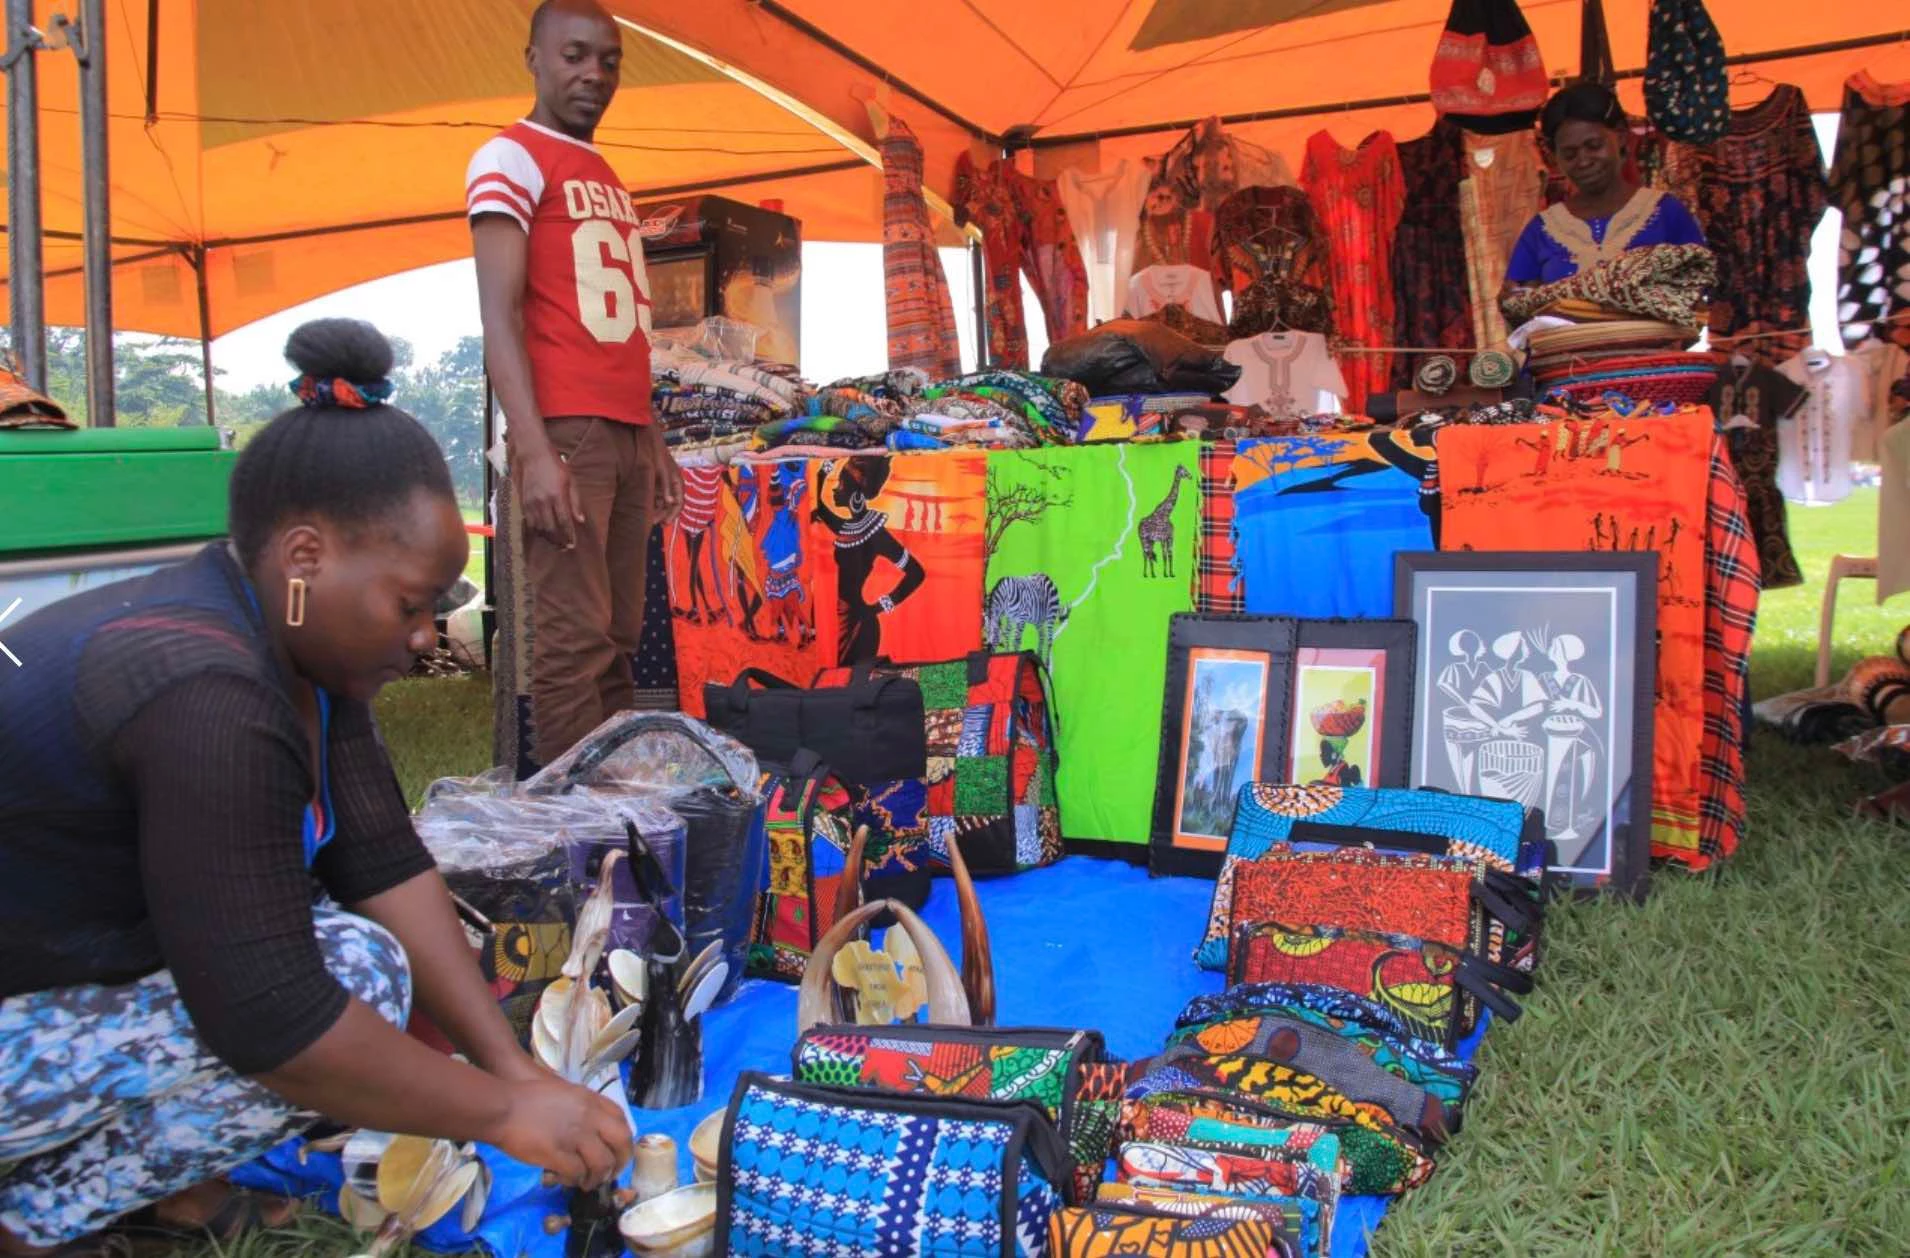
<point x="1018" y="604"/>
<point x="113" y="1102"/>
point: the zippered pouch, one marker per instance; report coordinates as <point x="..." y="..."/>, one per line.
<point x="1340" y="1063"/>
<point x="1292" y="1226"/>
<point x="1434" y="988"/>
<point x="1379" y="1159"/>
<point x="1050" y="1067"/>
<point x="1335" y="1008"/>
<point x="1494" y="831"/>
<point x="1352" y="1057"/>
<point x="1427" y="896"/>
<point x="807" y="1170"/>
<point x="1224" y="1170"/>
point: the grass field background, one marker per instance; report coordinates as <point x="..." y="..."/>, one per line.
<point x="1722" y="1071"/>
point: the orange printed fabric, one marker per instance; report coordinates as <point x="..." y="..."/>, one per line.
<point x="905" y="536"/>
<point x="747" y="572"/>
<point x="1608" y="484"/>
<point x="1426" y="896"/>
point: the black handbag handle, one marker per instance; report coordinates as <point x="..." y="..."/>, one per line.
<point x="1508" y="910"/>
<point x="594" y="754"/>
<point x="769" y="681"/>
<point x="1488" y="983"/>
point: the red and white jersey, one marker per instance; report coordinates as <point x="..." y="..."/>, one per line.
<point x="587" y="296"/>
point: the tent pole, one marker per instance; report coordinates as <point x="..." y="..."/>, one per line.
<point x="205" y="333"/>
<point x="27" y="283"/>
<point x="98" y="246"/>
<point x="152" y="62"/>
<point x="978" y="282"/>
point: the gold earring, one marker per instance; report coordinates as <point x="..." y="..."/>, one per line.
<point x="295" y="602"/>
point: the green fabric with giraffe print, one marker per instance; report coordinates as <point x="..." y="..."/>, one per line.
<point x="1090" y="551"/>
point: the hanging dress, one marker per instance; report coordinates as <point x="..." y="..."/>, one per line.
<point x="921" y="317"/>
<point x="1359" y="196"/>
<point x="1761" y="192"/>
<point x="1870" y="183"/>
<point x="1431" y="283"/>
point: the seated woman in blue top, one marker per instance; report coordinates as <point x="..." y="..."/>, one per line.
<point x="1606" y="214"/>
<point x="216" y="910"/>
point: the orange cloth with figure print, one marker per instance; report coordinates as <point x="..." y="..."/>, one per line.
<point x="1607" y="484"/>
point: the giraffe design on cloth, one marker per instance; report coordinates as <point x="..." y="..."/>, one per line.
<point x="1156" y="529"/>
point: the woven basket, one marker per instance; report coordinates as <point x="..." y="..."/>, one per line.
<point x="1641" y="335"/>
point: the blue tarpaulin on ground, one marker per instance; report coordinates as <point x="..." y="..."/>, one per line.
<point x="1086" y="943"/>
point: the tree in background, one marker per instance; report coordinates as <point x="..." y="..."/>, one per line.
<point x="160" y="384"/>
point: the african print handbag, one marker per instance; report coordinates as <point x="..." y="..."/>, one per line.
<point x="807" y="816"/>
<point x="807" y="1170"/>
<point x="1434" y="987"/>
<point x="1487" y="67"/>
<point x="1341" y="1063"/>
<point x="1503" y="834"/>
<point x="1308" y="1169"/>
<point x="1223" y="1230"/>
<point x="1358" y="1018"/>
<point x="990" y="735"/>
<point x="1059" y="1070"/>
<point x="1379" y="1159"/>
<point x="1298" y="1221"/>
<point x="1354" y="1058"/>
<point x="1410" y="895"/>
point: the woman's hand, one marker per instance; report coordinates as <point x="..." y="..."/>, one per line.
<point x="581" y="1137"/>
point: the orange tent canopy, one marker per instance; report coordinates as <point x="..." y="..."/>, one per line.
<point x="265" y="154"/>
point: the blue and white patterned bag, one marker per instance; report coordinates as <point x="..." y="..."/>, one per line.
<point x="816" y="1171"/>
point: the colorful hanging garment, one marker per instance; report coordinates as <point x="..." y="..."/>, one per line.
<point x="1504" y="186"/>
<point x="1487" y="70"/>
<point x="1217" y="585"/>
<point x="1431" y="277"/>
<point x="1024" y="228"/>
<point x="1870" y="181"/>
<point x="747" y="571"/>
<point x="1730" y="618"/>
<point x="1761" y="192"/>
<point x="1090" y="550"/>
<point x="1358" y="195"/>
<point x="1318" y="519"/>
<point x="921" y="316"/>
<point x="1187" y="186"/>
<point x="1606" y="484"/>
<point x="907" y="535"/>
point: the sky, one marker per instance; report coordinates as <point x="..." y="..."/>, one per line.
<point x="842" y="319"/>
<point x="843" y="330"/>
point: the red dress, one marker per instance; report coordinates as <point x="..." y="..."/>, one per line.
<point x="1359" y="195"/>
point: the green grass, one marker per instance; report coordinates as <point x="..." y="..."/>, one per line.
<point x="1723" y="1071"/>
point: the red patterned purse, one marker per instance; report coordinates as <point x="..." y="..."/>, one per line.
<point x="1435" y="988"/>
<point x="1430" y="897"/>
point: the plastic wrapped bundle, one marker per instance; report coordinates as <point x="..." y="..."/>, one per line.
<point x="1135" y="356"/>
<point x="709" y="781"/>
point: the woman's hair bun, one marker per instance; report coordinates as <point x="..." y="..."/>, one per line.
<point x="348" y="349"/>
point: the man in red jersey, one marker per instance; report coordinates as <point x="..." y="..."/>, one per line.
<point x="566" y="310"/>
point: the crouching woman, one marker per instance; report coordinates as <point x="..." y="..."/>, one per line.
<point x="215" y="910"/>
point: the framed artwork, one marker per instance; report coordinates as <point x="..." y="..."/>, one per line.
<point x="1224" y="724"/>
<point x="1350" y="717"/>
<point x="1535" y="683"/>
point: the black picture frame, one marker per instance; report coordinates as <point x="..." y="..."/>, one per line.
<point x="1394" y="692"/>
<point x="1210" y="655"/>
<point x="1563" y="721"/>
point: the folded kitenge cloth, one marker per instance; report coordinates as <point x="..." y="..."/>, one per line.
<point x="1667" y="283"/>
<point x="22" y="407"/>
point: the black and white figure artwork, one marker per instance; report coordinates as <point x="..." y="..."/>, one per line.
<point x="1534" y="684"/>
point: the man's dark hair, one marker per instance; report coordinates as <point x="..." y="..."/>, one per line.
<point x="350" y="465"/>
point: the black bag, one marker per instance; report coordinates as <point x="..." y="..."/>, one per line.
<point x="871" y="730"/>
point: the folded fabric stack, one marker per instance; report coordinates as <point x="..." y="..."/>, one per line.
<point x="1364" y="933"/>
<point x="1621" y="328"/>
<point x="709" y="408"/>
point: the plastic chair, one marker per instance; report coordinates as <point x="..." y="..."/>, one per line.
<point x="1842" y="567"/>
